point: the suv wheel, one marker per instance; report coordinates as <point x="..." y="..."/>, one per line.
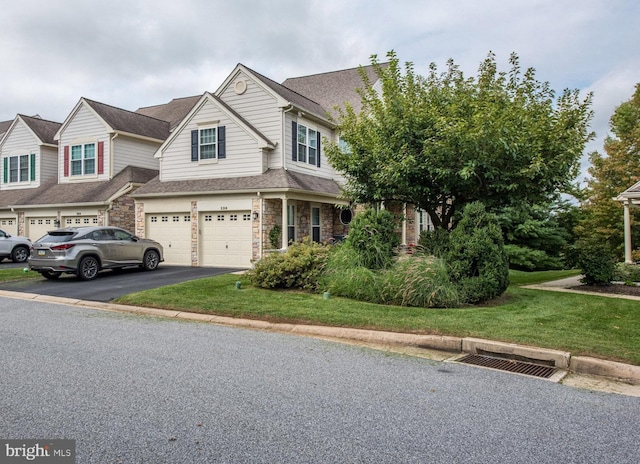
<point x="88" y="268"/>
<point x="151" y="260"/>
<point x="52" y="275"/>
<point x="20" y="254"/>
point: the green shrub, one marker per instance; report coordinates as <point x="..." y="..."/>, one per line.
<point x="596" y="261"/>
<point x="275" y="237"/>
<point x="434" y="242"/>
<point x="373" y="236"/>
<point x="529" y="259"/>
<point x="476" y="259"/>
<point x="301" y="266"/>
<point x="420" y="281"/>
<point x="626" y="272"/>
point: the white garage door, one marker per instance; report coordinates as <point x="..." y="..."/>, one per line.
<point x="39" y="226"/>
<point x="9" y="225"/>
<point x="226" y="239"/>
<point x="173" y="231"/>
<point x="79" y="221"/>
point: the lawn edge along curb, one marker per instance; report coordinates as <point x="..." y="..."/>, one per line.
<point x="561" y="359"/>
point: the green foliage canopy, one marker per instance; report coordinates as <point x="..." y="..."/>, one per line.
<point x="443" y="141"/>
<point x="613" y="174"/>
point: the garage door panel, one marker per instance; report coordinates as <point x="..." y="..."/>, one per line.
<point x="173" y="231"/>
<point x="37" y="227"/>
<point x="9" y="225"/>
<point x="226" y="239"/>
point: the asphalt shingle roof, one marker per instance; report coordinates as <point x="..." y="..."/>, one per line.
<point x="128" y="121"/>
<point x="52" y="193"/>
<point x="44" y="130"/>
<point x="272" y="179"/>
<point x="333" y="89"/>
<point x="172" y="112"/>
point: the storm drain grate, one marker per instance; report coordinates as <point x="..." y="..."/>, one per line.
<point x="509" y="365"/>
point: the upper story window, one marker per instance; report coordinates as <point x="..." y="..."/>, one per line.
<point x="20" y="168"/>
<point x="208" y="143"/>
<point x="305" y="144"/>
<point x="83" y="159"/>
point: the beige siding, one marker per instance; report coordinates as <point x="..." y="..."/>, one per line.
<point x="260" y="108"/>
<point x="325" y="170"/>
<point x="48" y="165"/>
<point x="133" y="152"/>
<point x="243" y="155"/>
<point x="84" y="127"/>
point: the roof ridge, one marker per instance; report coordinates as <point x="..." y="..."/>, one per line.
<point x="125" y="110"/>
<point x="164" y="104"/>
<point x="338" y="70"/>
<point x="282" y="85"/>
<point x="36" y="118"/>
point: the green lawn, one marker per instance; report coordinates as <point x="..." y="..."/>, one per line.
<point x="581" y="324"/>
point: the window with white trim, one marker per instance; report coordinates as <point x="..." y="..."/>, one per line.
<point x="307" y="145"/>
<point x="424" y="221"/>
<point x="315" y="224"/>
<point x="291" y="223"/>
<point x="83" y="159"/>
<point x="208" y="143"/>
<point x="19" y="168"/>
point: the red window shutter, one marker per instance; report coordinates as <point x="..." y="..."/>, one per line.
<point x="100" y="157"/>
<point x="66" y="161"/>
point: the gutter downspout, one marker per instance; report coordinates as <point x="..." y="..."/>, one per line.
<point x="284" y="132"/>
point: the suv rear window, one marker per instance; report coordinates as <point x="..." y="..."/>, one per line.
<point x="57" y="237"/>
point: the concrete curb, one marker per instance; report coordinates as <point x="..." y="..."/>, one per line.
<point x="560" y="359"/>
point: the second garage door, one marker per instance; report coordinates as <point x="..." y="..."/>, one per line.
<point x="226" y="239"/>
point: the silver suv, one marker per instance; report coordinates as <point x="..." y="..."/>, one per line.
<point x="14" y="247"/>
<point x="85" y="251"/>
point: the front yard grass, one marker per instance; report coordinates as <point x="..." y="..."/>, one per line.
<point x="581" y="324"/>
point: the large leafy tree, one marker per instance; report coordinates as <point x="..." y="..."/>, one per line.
<point x="611" y="175"/>
<point x="443" y="141"/>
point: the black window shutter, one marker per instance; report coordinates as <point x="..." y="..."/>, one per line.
<point x="318" y="149"/>
<point x="294" y="141"/>
<point x="222" y="148"/>
<point x="194" y="145"/>
<point x="32" y="167"/>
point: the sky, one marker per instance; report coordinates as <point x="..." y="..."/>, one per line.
<point x="136" y="53"/>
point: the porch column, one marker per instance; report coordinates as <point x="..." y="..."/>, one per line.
<point x="627" y="232"/>
<point x="285" y="224"/>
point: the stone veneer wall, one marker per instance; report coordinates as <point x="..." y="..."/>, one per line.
<point x="140" y="224"/>
<point x="122" y="213"/>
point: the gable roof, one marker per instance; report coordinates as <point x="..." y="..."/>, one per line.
<point x="287" y="96"/>
<point x="44" y="130"/>
<point x="52" y="193"/>
<point x="259" y="136"/>
<point x="334" y="88"/>
<point x="128" y="121"/>
<point x="4" y="127"/>
<point x="172" y="112"/>
<point x="271" y="180"/>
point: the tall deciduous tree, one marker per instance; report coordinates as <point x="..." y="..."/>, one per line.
<point x="443" y="141"/>
<point x="611" y="175"/>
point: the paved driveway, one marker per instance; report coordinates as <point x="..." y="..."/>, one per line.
<point x="109" y="284"/>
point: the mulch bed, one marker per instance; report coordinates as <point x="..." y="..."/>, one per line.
<point x="618" y="289"/>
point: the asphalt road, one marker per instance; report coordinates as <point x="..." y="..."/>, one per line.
<point x="109" y="284"/>
<point x="133" y="389"/>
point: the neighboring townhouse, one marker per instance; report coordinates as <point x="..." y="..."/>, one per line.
<point x="29" y="160"/>
<point x="102" y="154"/>
<point x="248" y="159"/>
